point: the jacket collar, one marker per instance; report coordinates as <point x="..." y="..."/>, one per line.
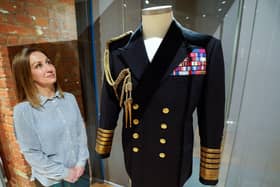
<point x="135" y="56"/>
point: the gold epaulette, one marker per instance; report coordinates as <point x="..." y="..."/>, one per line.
<point x="108" y="75"/>
<point x="125" y="99"/>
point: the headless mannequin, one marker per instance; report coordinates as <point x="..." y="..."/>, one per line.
<point x="155" y="23"/>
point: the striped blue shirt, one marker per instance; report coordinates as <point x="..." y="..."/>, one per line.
<point x="52" y="138"/>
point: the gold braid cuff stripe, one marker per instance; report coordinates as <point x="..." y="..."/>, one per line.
<point x="209" y="174"/>
<point x="105" y="143"/>
<point x="102" y="150"/>
<point x="105" y="131"/>
<point x="210" y="150"/>
<point x="212" y="166"/>
<point x="104" y="139"/>
<point x="207" y="160"/>
<point x="209" y="155"/>
<point x="103" y="135"/>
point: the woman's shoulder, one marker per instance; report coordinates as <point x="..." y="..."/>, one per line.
<point x="68" y="95"/>
<point x="22" y="108"/>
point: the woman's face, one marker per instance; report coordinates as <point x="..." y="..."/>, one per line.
<point x="42" y="70"/>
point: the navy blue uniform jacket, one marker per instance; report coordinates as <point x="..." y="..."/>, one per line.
<point x="186" y="73"/>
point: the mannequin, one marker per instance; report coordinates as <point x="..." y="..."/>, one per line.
<point x="155" y="22"/>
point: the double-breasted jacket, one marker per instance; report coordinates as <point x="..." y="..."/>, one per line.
<point x="159" y="99"/>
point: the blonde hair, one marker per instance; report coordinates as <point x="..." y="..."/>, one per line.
<point x="26" y="89"/>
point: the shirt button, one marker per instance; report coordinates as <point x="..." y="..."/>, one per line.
<point x="135" y="136"/>
<point x="135" y="121"/>
<point x="135" y="149"/>
<point x="135" y="107"/>
<point x="162" y="155"/>
<point x="162" y="141"/>
<point x="163" y="126"/>
<point x="165" y="110"/>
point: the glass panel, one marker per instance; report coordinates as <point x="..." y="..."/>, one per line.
<point x="214" y="17"/>
<point x="256" y="153"/>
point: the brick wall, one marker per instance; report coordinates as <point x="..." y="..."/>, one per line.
<point x="50" y="25"/>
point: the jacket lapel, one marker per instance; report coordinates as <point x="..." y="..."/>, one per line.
<point x="154" y="73"/>
<point x="149" y="76"/>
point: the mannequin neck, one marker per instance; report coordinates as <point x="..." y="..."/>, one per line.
<point x="156" y="21"/>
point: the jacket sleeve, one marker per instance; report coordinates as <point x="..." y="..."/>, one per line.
<point x="110" y="107"/>
<point x="31" y="148"/>
<point x="211" y="114"/>
<point x="108" y="120"/>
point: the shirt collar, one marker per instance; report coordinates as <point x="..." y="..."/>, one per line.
<point x="44" y="99"/>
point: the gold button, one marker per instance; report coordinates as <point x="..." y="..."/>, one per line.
<point x="135" y="121"/>
<point x="165" y="110"/>
<point x="135" y="135"/>
<point x="135" y="149"/>
<point x="135" y="106"/>
<point x="163" y="126"/>
<point x="162" y="141"/>
<point x="162" y="155"/>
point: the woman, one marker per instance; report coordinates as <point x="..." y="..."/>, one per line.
<point x="48" y="124"/>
